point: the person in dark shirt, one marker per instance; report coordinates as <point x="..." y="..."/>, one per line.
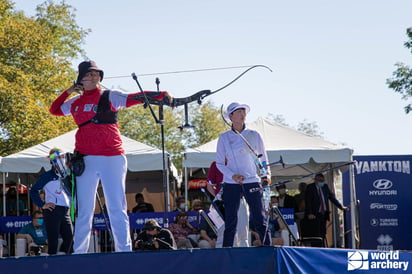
<point x="284" y="199"/>
<point x="317" y="209"/>
<point x="142" y="206"/>
<point x="208" y="235"/>
<point x="154" y="237"/>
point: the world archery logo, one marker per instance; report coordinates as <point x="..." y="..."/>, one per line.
<point x="358" y="260"/>
<point x="366" y="260"/>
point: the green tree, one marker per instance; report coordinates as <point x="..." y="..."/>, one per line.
<point x="310" y="128"/>
<point x="35" y="54"/>
<point x="278" y="118"/>
<point x="208" y="124"/>
<point x="138" y="123"/>
<point x="401" y="81"/>
<point x="35" y="63"/>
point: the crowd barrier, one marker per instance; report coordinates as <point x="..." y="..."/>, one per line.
<point x="11" y="225"/>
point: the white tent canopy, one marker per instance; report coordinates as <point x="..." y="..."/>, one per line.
<point x="144" y="163"/>
<point x="140" y="157"/>
<point x="302" y="154"/>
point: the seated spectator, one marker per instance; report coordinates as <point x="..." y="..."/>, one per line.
<point x="153" y="237"/>
<point x="142" y="206"/>
<point x="255" y="238"/>
<point x="4" y="252"/>
<point x="208" y="236"/>
<point x="180" y="204"/>
<point x="181" y="229"/>
<point x="275" y="226"/>
<point x="35" y="233"/>
<point x="273" y="201"/>
<point x="197" y="204"/>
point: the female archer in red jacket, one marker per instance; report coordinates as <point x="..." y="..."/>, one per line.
<point x="98" y="139"/>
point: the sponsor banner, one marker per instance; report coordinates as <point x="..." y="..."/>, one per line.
<point x="197" y="183"/>
<point x="12" y="224"/>
<point x="288" y="214"/>
<point x="374" y="260"/>
<point x="384" y="188"/>
<point x="326" y="260"/>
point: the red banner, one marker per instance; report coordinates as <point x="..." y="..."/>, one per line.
<point x="197" y="183"/>
<point x="22" y="188"/>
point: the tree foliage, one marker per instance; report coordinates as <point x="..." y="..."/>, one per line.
<point x="307" y="127"/>
<point x="310" y="128"/>
<point x="401" y="81"/>
<point x="35" y="65"/>
<point x="278" y="118"/>
<point x="35" y="55"/>
<point x="208" y="124"/>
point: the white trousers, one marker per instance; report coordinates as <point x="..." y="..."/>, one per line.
<point x="242" y="227"/>
<point x="111" y="172"/>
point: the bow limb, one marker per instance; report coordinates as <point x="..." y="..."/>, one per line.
<point x="240" y="75"/>
<point x="200" y="95"/>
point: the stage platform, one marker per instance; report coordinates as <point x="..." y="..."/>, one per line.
<point x="254" y="260"/>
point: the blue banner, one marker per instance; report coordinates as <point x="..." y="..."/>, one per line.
<point x="137" y="220"/>
<point x="325" y="260"/>
<point x="288" y="214"/>
<point x="12" y="224"/>
<point x="383" y="187"/>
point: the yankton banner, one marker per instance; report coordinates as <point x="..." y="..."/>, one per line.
<point x="384" y="189"/>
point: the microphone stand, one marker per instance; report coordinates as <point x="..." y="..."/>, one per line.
<point x="165" y="172"/>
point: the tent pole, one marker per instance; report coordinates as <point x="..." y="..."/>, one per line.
<point x="186" y="190"/>
<point x="4" y="193"/>
<point x="335" y="215"/>
<point x="18" y="194"/>
<point x="353" y="207"/>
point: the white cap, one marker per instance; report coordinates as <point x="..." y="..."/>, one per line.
<point x="235" y="106"/>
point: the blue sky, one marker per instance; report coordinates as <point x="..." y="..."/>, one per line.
<point x="330" y="59"/>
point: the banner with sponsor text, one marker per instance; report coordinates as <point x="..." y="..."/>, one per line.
<point x="384" y="188"/>
<point x="13" y="224"/>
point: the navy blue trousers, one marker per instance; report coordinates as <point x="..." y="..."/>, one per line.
<point x="253" y="194"/>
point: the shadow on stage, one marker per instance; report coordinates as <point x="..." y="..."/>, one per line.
<point x="222" y="260"/>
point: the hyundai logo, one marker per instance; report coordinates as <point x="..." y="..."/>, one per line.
<point x="382" y="184"/>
